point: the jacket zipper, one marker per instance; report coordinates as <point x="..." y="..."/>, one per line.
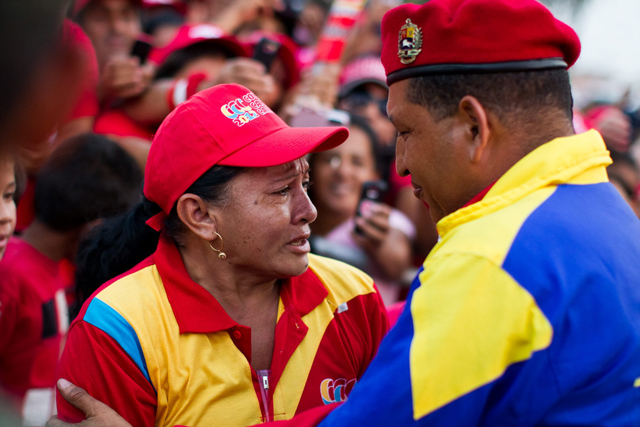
<point x="263" y="379"/>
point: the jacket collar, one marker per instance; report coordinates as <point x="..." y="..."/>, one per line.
<point x="197" y="311"/>
<point x="557" y="162"/>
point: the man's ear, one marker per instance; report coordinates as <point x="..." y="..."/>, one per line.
<point x="195" y="213"/>
<point x="477" y="130"/>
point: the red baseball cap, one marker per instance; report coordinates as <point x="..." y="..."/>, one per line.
<point x="474" y="36"/>
<point x="362" y="70"/>
<point x="223" y="125"/>
<point x="189" y="35"/>
<point x="78" y="5"/>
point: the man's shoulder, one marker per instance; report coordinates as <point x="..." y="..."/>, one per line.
<point x="564" y="217"/>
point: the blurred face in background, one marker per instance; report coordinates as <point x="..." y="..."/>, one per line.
<point x="7" y="204"/>
<point x="310" y="23"/>
<point x="370" y="101"/>
<point x="113" y="27"/>
<point x="337" y="175"/>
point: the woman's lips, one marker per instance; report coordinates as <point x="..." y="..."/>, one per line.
<point x="300" y="245"/>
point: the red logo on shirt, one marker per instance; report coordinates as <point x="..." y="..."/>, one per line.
<point x="336" y="390"/>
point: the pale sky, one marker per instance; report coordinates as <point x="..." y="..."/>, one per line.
<point x="609" y="31"/>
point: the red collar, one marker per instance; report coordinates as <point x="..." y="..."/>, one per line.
<point x="197" y="311"/>
<point x="480" y="195"/>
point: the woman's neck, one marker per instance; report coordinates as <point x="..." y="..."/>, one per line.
<point x="238" y="291"/>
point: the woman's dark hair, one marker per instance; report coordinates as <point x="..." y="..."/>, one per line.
<point x="119" y="244"/>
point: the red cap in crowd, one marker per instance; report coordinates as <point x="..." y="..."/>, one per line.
<point x="223" y="125"/>
<point x="363" y="70"/>
<point x="81" y="4"/>
<point x="288" y="53"/>
<point x="474" y="36"/>
<point x="191" y="34"/>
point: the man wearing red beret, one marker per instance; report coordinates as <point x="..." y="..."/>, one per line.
<point x="527" y="311"/>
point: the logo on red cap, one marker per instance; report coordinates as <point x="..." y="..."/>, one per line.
<point x="409" y="42"/>
<point x="243" y="110"/>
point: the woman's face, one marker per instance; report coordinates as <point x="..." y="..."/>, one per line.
<point x="338" y="174"/>
<point x="265" y="226"/>
<point x="7" y="205"/>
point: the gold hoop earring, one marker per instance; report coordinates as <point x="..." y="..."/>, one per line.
<point x="221" y="254"/>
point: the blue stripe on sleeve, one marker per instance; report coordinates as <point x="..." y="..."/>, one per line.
<point x="108" y="320"/>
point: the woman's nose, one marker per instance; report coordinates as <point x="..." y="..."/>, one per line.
<point x="305" y="210"/>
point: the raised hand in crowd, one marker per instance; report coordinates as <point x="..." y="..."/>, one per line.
<point x="229" y="15"/>
<point x="124" y="77"/>
<point x="249" y="73"/>
<point x="375" y="235"/>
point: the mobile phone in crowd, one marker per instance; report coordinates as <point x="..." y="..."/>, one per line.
<point x="372" y="191"/>
<point x="141" y="50"/>
<point x="266" y="51"/>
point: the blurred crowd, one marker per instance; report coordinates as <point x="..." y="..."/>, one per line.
<point x="143" y="58"/>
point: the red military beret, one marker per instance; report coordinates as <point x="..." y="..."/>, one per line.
<point x="474" y="36"/>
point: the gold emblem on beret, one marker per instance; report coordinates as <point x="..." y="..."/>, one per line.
<point x="409" y="42"/>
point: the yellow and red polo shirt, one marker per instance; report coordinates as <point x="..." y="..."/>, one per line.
<point x="172" y="356"/>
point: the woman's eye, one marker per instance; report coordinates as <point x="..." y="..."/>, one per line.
<point x="306" y="185"/>
<point x="283" y="192"/>
<point x="8" y="196"/>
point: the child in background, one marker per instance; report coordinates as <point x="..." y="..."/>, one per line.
<point x="87" y="178"/>
<point x="8" y="185"/>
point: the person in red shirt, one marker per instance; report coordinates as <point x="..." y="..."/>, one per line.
<point x="239" y="321"/>
<point x="88" y="177"/>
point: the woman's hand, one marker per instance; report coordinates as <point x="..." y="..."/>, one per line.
<point x="373" y="225"/>
<point x="390" y="248"/>
<point x="98" y="414"/>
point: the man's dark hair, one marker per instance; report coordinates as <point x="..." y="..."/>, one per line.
<point x="87" y="177"/>
<point x="509" y="95"/>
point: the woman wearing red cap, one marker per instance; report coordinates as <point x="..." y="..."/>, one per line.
<point x="229" y="321"/>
